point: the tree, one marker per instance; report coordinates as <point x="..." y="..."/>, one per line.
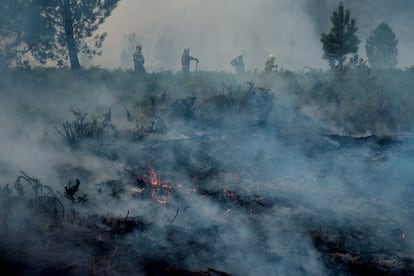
<point x="23" y="32"/>
<point x="75" y="23"/>
<point x="342" y="39"/>
<point x="381" y="47"/>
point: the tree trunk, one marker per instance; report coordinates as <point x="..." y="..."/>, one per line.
<point x="70" y="39"/>
<point x="341" y="61"/>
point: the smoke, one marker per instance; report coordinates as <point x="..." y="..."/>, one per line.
<point x="217" y="31"/>
<point x="265" y="175"/>
<point x="368" y="15"/>
<point x="256" y="173"/>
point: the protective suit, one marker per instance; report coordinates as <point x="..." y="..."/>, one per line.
<point x="270" y="64"/>
<point x="139" y="61"/>
<point x="238" y="64"/>
<point x="185" y="61"/>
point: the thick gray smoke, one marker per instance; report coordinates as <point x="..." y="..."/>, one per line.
<point x="369" y="14"/>
<point x="271" y="175"/>
<point x="216" y="31"/>
<point x="266" y="180"/>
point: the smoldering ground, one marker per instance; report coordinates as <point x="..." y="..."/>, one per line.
<point x="256" y="185"/>
<point x="298" y="173"/>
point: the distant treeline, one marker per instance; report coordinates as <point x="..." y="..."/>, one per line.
<point x="55" y="33"/>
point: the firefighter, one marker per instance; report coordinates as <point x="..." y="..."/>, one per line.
<point x="270" y="64"/>
<point x="185" y="61"/>
<point x="139" y="61"/>
<point x="238" y="63"/>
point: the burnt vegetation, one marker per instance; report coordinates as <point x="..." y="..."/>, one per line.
<point x="211" y="146"/>
<point x="275" y="173"/>
<point x="85" y="127"/>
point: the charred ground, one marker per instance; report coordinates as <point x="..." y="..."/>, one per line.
<point x="294" y="173"/>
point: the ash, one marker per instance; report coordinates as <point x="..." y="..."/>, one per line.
<point x="200" y="176"/>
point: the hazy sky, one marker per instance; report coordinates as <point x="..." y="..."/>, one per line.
<point x="216" y="30"/>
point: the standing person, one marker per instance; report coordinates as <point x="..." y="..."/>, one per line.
<point x="139" y="61"/>
<point x="270" y="64"/>
<point x="185" y="61"/>
<point x="238" y="63"/>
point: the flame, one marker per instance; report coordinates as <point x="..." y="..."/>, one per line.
<point x="159" y="191"/>
<point x="154" y="180"/>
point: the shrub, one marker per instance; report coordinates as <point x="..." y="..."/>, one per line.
<point x="84" y="127"/>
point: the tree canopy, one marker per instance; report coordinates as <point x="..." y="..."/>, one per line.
<point x="342" y="39"/>
<point x="55" y="30"/>
<point x="22" y="32"/>
<point x="75" y="23"/>
<point x="381" y="47"/>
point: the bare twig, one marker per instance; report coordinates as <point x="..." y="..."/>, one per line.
<point x="176" y="214"/>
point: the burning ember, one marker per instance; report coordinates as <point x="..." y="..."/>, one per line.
<point x="228" y="193"/>
<point x="159" y="190"/>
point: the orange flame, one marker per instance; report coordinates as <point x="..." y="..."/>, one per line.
<point x="155" y="180"/>
<point x="159" y="190"/>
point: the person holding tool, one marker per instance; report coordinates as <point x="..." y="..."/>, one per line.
<point x="185" y="61"/>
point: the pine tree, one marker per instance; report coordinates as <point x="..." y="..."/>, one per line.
<point x="23" y="32"/>
<point x="381" y="47"/>
<point x="74" y="23"/>
<point x="342" y="39"/>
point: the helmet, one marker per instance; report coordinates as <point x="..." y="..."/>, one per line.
<point x="186" y="49"/>
<point x="240" y="54"/>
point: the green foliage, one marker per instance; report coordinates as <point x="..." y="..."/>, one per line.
<point x="74" y="23"/>
<point x="51" y="30"/>
<point x="22" y="31"/>
<point x="342" y="39"/>
<point x="381" y="47"/>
